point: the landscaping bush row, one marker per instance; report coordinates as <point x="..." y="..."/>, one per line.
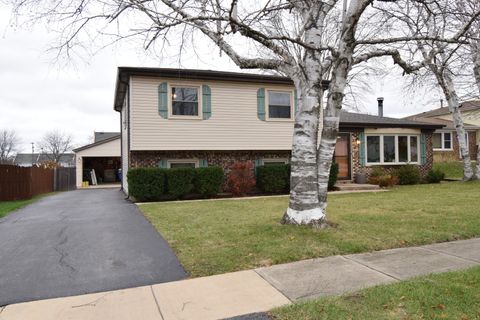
<point x="276" y="178"/>
<point x="404" y="175"/>
<point x="150" y="184"/>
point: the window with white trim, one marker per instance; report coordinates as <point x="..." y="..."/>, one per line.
<point x="442" y="141"/>
<point x="274" y="161"/>
<point x="392" y="149"/>
<point x="184" y="101"/>
<point x="182" y="163"/>
<point x="280" y="104"/>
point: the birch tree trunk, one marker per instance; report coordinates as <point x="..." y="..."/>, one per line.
<point x="448" y="88"/>
<point x="304" y="207"/>
<point x="475" y="52"/>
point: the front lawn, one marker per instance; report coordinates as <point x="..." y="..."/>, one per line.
<point x="452" y="170"/>
<point x="213" y="237"/>
<point x="7" y="207"/>
<point x="454" y="295"/>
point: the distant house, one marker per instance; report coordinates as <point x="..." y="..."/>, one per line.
<point x="445" y="140"/>
<point x="195" y="118"/>
<point x="103" y="156"/>
<point x="28" y="159"/>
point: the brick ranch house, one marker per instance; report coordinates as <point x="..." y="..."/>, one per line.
<point x="445" y="141"/>
<point x="177" y="117"/>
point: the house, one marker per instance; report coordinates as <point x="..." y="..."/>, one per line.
<point x="176" y="117"/>
<point x="445" y="140"/>
<point x="103" y="155"/>
<point x="28" y="159"/>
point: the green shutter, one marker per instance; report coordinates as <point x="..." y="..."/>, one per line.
<point x="203" y="163"/>
<point x="423" y="148"/>
<point x="261" y="104"/>
<point x="361" y="150"/>
<point x="206" y="102"/>
<point x="163" y="100"/>
<point x="258" y="163"/>
<point x="295" y="100"/>
<point x="162" y="163"/>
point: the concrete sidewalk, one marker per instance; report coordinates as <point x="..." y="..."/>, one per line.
<point x="259" y="290"/>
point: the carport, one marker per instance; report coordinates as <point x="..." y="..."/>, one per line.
<point x="103" y="157"/>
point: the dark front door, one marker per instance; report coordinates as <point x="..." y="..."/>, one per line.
<point x="342" y="155"/>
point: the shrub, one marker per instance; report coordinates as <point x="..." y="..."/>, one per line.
<point x="332" y="178"/>
<point x="377" y="172"/>
<point x="435" y="176"/>
<point x="241" y="179"/>
<point x="146" y="184"/>
<point x="208" y="180"/>
<point x="409" y="174"/>
<point x="180" y="181"/>
<point x="273" y="178"/>
<point x="387" y="180"/>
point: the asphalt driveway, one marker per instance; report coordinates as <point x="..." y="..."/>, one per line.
<point x="80" y="242"/>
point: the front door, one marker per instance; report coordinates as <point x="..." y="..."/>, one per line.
<point x="342" y="155"/>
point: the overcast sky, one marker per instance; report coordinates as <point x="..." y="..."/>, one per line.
<point x="38" y="94"/>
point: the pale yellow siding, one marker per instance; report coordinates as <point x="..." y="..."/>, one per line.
<point x="469" y="117"/>
<point x="107" y="149"/>
<point x="392" y="131"/>
<point x="233" y="125"/>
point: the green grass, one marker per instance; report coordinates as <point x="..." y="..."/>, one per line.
<point x="214" y="237"/>
<point x="454" y="295"/>
<point x="7" y="207"/>
<point x="452" y="170"/>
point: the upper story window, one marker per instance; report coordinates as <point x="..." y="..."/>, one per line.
<point x="279" y="105"/>
<point x="392" y="149"/>
<point x="185" y="101"/>
<point x="442" y="141"/>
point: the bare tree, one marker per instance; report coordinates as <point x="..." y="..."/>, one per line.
<point x="55" y="144"/>
<point x="306" y="40"/>
<point x="442" y="59"/>
<point x="8" y="145"/>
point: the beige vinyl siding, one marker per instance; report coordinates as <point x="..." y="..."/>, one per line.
<point x="234" y="124"/>
<point x="108" y="149"/>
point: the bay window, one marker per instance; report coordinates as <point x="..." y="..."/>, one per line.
<point x="392" y="149"/>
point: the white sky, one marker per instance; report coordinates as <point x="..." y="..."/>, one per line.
<point x="38" y="95"/>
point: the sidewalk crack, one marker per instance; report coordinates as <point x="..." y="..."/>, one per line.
<point x="451" y="255"/>
<point x="156" y="302"/>
<point x="372" y="268"/>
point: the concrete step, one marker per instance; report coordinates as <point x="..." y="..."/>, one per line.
<point x="356" y="187"/>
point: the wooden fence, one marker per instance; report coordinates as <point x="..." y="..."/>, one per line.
<point x="18" y="183"/>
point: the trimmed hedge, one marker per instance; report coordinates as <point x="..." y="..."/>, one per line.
<point x="180" y="181"/>
<point x="409" y="174"/>
<point x="208" y="180"/>
<point x="146" y="184"/>
<point x="276" y="178"/>
<point x="153" y="184"/>
<point x="273" y="178"/>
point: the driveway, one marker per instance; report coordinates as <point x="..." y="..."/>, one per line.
<point x="80" y="242"/>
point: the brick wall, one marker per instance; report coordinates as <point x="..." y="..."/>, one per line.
<point x="454" y="155"/>
<point x="357" y="167"/>
<point x="223" y="159"/>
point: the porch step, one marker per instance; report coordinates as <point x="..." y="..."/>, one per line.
<point x="356" y="187"/>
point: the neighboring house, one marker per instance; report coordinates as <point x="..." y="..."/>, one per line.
<point x="175" y="117"/>
<point x="103" y="155"/>
<point x="445" y="141"/>
<point x="27" y="159"/>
